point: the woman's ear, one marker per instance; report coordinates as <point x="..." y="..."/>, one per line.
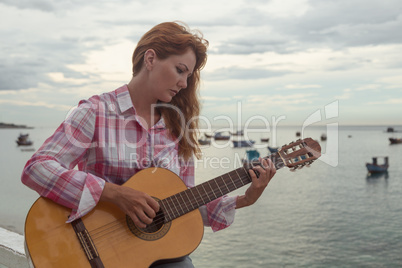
<point x="149" y="59"/>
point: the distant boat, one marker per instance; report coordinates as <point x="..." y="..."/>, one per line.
<point x="243" y="143"/>
<point x="204" y="141"/>
<point x="250" y="156"/>
<point x="264" y="139"/>
<point x="220" y="137"/>
<point x="374" y="167"/>
<point x="273" y="149"/>
<point x="208" y="135"/>
<point x="23" y="140"/>
<point x="323" y="137"/>
<point x="390" y="129"/>
<point x="395" y="140"/>
<point x="237" y="133"/>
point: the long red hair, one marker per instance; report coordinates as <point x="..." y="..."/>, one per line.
<point x="171" y="38"/>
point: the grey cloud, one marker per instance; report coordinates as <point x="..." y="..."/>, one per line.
<point x="333" y="24"/>
<point x="240" y="73"/>
<point x="27" y="63"/>
<point x="42" y="5"/>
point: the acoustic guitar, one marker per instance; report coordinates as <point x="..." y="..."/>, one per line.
<point x="106" y="237"/>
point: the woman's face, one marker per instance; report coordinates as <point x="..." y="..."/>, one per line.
<point x="169" y="76"/>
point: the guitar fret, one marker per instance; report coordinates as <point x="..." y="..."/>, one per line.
<point x="184" y="203"/>
<point x="165" y="211"/>
<point x="216" y="181"/>
<point x="192" y="205"/>
<point x="202" y="185"/>
<point x="224" y="182"/>
<point x="178" y="213"/>
<point x="198" y="193"/>
<point x="212" y="190"/>
<point x="231" y="180"/>
<point x="240" y="176"/>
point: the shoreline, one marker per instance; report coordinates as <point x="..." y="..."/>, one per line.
<point x="13" y="126"/>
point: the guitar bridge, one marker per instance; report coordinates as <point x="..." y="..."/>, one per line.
<point x="87" y="244"/>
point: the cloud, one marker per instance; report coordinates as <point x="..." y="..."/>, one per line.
<point x="319" y="24"/>
<point x="43" y="5"/>
<point x="59" y="107"/>
<point x="387" y="102"/>
<point x="300" y="86"/>
<point x="234" y="72"/>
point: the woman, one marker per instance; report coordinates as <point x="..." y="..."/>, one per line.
<point x="151" y="121"/>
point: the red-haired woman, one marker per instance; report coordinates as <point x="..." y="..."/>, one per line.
<point x="150" y="122"/>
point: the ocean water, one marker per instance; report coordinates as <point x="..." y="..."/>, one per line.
<point x="332" y="214"/>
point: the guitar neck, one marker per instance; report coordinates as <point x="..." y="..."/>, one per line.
<point x="193" y="198"/>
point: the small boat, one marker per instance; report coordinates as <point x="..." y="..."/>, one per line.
<point x="395" y="140"/>
<point x="23" y="140"/>
<point x="243" y="143"/>
<point x="323" y="137"/>
<point x="237" y="133"/>
<point x="298" y="134"/>
<point x="208" y="136"/>
<point x="273" y="149"/>
<point x="220" y="137"/>
<point x="374" y="167"/>
<point x="264" y="139"/>
<point x="251" y="155"/>
<point x="204" y="141"/>
<point x="390" y="130"/>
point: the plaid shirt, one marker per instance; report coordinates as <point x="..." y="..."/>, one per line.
<point x="105" y="139"/>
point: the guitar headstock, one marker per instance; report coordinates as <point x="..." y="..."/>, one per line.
<point x="300" y="153"/>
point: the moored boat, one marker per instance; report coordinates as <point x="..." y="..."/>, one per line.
<point x="374" y="167"/>
<point x="237" y="133"/>
<point x="250" y="156"/>
<point x="23" y="140"/>
<point x="395" y="140"/>
<point x="243" y="143"/>
<point x="204" y="141"/>
<point x="220" y="137"/>
<point x="273" y="149"/>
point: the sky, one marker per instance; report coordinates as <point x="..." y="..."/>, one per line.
<point x="273" y="60"/>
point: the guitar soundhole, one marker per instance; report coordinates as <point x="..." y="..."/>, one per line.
<point x="154" y="231"/>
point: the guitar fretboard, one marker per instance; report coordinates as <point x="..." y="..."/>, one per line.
<point x="193" y="198"/>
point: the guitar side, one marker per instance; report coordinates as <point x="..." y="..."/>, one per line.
<point x="53" y="243"/>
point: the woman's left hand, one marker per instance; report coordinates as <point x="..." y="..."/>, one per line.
<point x="258" y="184"/>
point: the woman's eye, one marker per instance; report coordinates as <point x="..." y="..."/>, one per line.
<point x="179" y="70"/>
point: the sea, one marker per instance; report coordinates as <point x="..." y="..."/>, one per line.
<point x="331" y="214"/>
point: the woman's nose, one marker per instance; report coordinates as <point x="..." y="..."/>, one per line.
<point x="182" y="83"/>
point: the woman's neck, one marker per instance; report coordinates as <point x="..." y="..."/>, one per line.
<point x="143" y="102"/>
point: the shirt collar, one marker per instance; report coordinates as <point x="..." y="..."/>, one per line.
<point x="124" y="99"/>
<point x="125" y="103"/>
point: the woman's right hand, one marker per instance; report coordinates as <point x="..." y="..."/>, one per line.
<point x="140" y="206"/>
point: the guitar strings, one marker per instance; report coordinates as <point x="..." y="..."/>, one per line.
<point x="159" y="218"/>
<point x="103" y="233"/>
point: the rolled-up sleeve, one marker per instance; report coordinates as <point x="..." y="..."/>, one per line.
<point x="51" y="173"/>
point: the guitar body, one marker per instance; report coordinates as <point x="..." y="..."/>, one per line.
<point x="51" y="242"/>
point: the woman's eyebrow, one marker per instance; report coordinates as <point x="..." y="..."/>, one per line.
<point x="185" y="66"/>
